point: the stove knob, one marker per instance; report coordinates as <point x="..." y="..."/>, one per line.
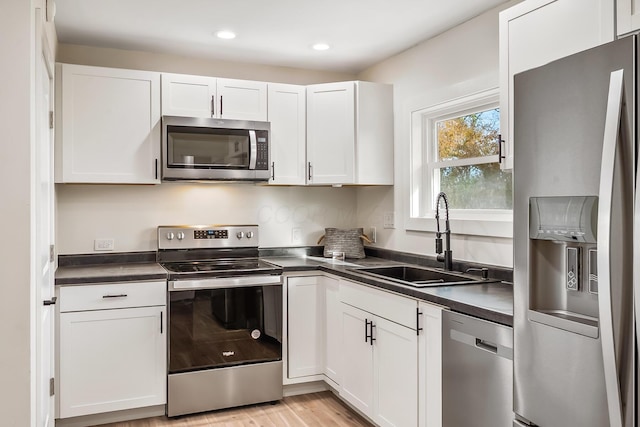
<point x="240" y="235"/>
<point x="249" y="234"/>
<point x="169" y="236"/>
<point x="180" y="235"/>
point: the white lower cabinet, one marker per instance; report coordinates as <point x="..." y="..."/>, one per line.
<point x="305" y="326"/>
<point x="113" y="358"/>
<point x="382" y="352"/>
<point x="430" y="365"/>
<point x="380" y="355"/>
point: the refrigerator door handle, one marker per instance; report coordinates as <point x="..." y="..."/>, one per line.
<point x="605" y="205"/>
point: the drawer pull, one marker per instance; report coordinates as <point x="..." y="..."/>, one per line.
<point x="115" y="296"/>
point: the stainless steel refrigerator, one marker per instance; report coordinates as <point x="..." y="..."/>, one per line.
<point x="575" y="342"/>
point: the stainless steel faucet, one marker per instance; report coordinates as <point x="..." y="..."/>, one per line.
<point x="447" y="257"/>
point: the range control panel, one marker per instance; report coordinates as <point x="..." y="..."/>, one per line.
<point x="207" y="236"/>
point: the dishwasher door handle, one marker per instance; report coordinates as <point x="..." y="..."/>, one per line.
<point x="487" y="346"/>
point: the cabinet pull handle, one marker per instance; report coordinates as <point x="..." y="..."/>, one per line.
<point x="309" y="171"/>
<point x="273" y="171"/>
<point x="161" y="323"/>
<point x="51" y="301"/>
<point x="366" y="330"/>
<point x="213" y="105"/>
<point x="500" y="155"/>
<point x="418" y="314"/>
<point x="220" y="105"/>
<point x="156" y="168"/>
<point x="372" y="339"/>
<point x="115" y="296"/>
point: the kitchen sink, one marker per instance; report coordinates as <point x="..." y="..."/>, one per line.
<point x="419" y="276"/>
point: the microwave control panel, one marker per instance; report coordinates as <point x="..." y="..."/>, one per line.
<point x="262" y="158"/>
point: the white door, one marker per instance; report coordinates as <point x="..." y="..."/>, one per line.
<point x="305" y="326"/>
<point x="242" y="100"/>
<point x="189" y="96"/>
<point x="333" y="329"/>
<point x="122" y="350"/>
<point x="395" y="361"/>
<point x="331" y="133"/>
<point x="288" y="118"/>
<point x="43" y="202"/>
<point x="357" y="356"/>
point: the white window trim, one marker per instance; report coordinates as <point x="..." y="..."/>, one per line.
<point x="495" y="223"/>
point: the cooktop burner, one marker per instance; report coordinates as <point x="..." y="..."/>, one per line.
<point x="217" y="265"/>
<point x="201" y="251"/>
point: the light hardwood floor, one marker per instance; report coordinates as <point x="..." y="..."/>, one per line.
<point x="307" y="410"/>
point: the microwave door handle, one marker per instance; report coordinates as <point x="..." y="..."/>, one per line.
<point x="253" y="144"/>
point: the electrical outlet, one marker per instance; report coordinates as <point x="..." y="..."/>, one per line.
<point x="372" y="234"/>
<point x="296" y="236"/>
<point x="103" y="244"/>
<point x="388" y="220"/>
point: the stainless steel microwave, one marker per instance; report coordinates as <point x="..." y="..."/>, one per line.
<point x="208" y="149"/>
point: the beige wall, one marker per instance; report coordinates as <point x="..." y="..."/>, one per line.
<point x="456" y="63"/>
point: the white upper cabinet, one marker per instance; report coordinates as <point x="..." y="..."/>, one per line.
<point x="536" y="32"/>
<point x="287" y="114"/>
<point x="190" y="96"/>
<point x="242" y="100"/>
<point x="628" y="16"/>
<point x="350" y="133"/>
<point x="108" y="126"/>
<point x="201" y="96"/>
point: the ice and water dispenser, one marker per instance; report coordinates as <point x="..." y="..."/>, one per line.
<point x="563" y="275"/>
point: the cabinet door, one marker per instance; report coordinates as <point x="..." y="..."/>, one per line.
<point x="395" y="360"/>
<point x="430" y="366"/>
<point x="242" y="100"/>
<point x="110" y="125"/>
<point x="570" y="26"/>
<point x="305" y="326"/>
<point x="287" y="115"/>
<point x="357" y="356"/>
<point x="627" y="16"/>
<point x="331" y="133"/>
<point x="123" y="351"/>
<point x="189" y="96"/>
<point x="333" y="329"/>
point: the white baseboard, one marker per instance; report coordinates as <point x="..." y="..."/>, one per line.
<point x="112" y="417"/>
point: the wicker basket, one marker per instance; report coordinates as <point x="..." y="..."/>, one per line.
<point x="347" y="240"/>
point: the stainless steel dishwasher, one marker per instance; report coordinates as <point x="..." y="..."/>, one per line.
<point x="477" y="372"/>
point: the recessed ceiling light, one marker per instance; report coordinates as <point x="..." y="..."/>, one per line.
<point x="320" y="46"/>
<point x="227" y="35"/>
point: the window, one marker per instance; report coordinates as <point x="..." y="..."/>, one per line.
<point x="454" y="149"/>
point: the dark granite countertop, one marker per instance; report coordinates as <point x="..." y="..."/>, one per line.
<point x="111" y="272"/>
<point x="489" y="301"/>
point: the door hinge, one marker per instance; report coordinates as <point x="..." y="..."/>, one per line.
<point x="52" y="387"/>
<point x="52" y="253"/>
<point x="50" y="119"/>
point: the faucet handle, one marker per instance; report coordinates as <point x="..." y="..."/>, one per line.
<point x="483" y="270"/>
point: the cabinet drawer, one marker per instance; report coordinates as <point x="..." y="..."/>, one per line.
<point x="112" y="295"/>
<point x="390" y="306"/>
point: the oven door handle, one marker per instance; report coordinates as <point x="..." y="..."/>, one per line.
<point x="225" y="282"/>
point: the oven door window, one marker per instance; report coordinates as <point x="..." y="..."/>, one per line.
<point x="215" y="328"/>
<point x="204" y="148"/>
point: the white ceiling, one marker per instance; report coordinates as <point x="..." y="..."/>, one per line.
<point x="273" y="32"/>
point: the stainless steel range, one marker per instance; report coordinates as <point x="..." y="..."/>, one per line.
<point x="225" y="318"/>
